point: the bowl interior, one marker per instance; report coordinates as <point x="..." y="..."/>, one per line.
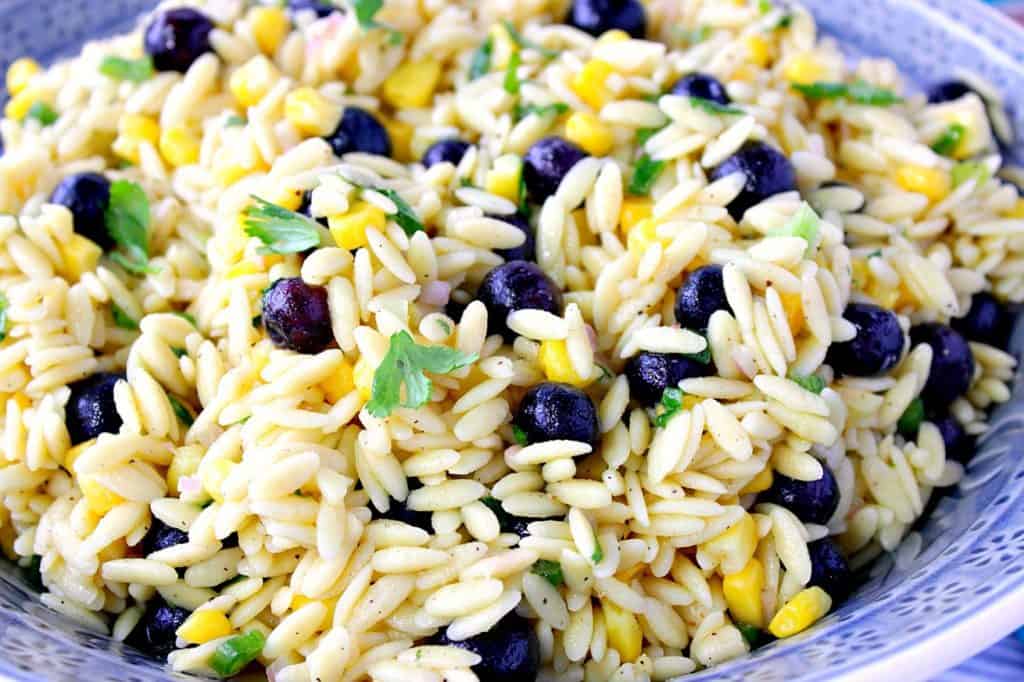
<point x="972" y="549"/>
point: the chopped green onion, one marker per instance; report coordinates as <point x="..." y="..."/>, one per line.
<point x="525" y="44"/>
<point x="713" y="107"/>
<point x="182" y="412"/>
<point x="859" y="92"/>
<point x="42" y="112"/>
<point x="406" y="217"/>
<point x="511" y="82"/>
<point x="521" y="111"/>
<point x="405" y="364"/>
<point x="805" y="224"/>
<point x="877" y="253"/>
<point x="134" y="70"/>
<point x="232" y="655"/>
<point x="549" y="570"/>
<point x="644" y="134"/>
<point x="672" y="402"/>
<point x="751" y="634"/>
<point x="810" y="382"/>
<point x="645" y="175"/>
<point x="519" y="435"/>
<point x="950" y="139"/>
<point x="598" y="555"/>
<point x="910" y="420"/>
<point x="480" y="64"/>
<point x="970" y="170"/>
<point x="233" y="121"/>
<point x="121" y="318"/>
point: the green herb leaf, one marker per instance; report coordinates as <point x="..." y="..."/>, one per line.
<point x="644" y="134"/>
<point x="645" y="175"/>
<point x="121" y="318"/>
<point x="405" y="363"/>
<point x="910" y="420"/>
<point x="445" y="327"/>
<point x="765" y="6"/>
<point x="525" y="44"/>
<point x="232" y="655"/>
<point x="134" y="70"/>
<point x="751" y="634"/>
<point x="511" y="82"/>
<point x="713" y="107"/>
<point x="785" y="21"/>
<point x="406" y="217"/>
<point x="234" y="121"/>
<point x="859" y="92"/>
<point x="810" y="382"/>
<point x="805" y="224"/>
<point x="42" y="112"/>
<point x="128" y="218"/>
<point x="598" y="555"/>
<point x="970" y="170"/>
<point x="366" y="15"/>
<point x="524" y="202"/>
<point x="703" y="357"/>
<point x="480" y="64"/>
<point x="519" y="435"/>
<point x="179" y="352"/>
<point x="549" y="570"/>
<point x="282" y="231"/>
<point x="877" y="253"/>
<point x="182" y="412"/>
<point x="672" y="402"/>
<point x="950" y="139"/>
<point x="188" y="316"/>
<point x="521" y="111"/>
<point x="3" y="316"/>
<point x="606" y="373"/>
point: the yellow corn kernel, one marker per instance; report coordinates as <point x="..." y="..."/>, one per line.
<point x="616" y="35"/>
<point x="743" y="594"/>
<point x="203" y="626"/>
<point x="400" y="133"/>
<point x="643" y="235"/>
<point x="734" y="548"/>
<point x="253" y="80"/>
<point x="554" y="359"/>
<point x="794" y="308"/>
<point x="242" y="269"/>
<point x="81" y="255"/>
<point x="349" y="230"/>
<point x="99" y="499"/>
<point x="860" y="272"/>
<point x="803" y="69"/>
<point x="132" y="131"/>
<point x="18" y="106"/>
<point x="759" y="50"/>
<point x="931" y="182"/>
<point x="590" y="133"/>
<point x="1017" y="211"/>
<point x="412" y="85"/>
<point x="362" y="376"/>
<point x="213" y="475"/>
<point x="184" y="463"/>
<point x="179" y="146"/>
<point x="300" y="600"/>
<point x="227" y="171"/>
<point x="19" y="73"/>
<point x="624" y="633"/>
<point x="589" y="83"/>
<point x="310" y="112"/>
<point x="269" y="27"/>
<point x="504" y="177"/>
<point x="634" y="209"/>
<point x="339" y="384"/>
<point x="71" y="455"/>
<point x="801" y="612"/>
<point x="759" y="483"/>
<point x="351" y="70"/>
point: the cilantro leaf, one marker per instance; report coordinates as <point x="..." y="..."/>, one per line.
<point x="189" y="317"/>
<point x="713" y="107"/>
<point x="511" y="82"/>
<point x="549" y="570"/>
<point x="480" y="64"/>
<point x="42" y="112"/>
<point x="282" y="231"/>
<point x="366" y="15"/>
<point x="521" y="111"/>
<point x="234" y="121"/>
<point x="810" y="382"/>
<point x="910" y="420"/>
<point x="3" y="317"/>
<point x="128" y="217"/>
<point x="805" y="224"/>
<point x="122" y="319"/>
<point x="750" y="633"/>
<point x="672" y="401"/>
<point x="519" y="435"/>
<point x="134" y="70"/>
<point x="182" y="412"/>
<point x="405" y="363"/>
<point x="970" y="170"/>
<point x="950" y="139"/>
<point x="406" y="217"/>
<point x="645" y="175"/>
<point x="523" y="43"/>
<point x="858" y="91"/>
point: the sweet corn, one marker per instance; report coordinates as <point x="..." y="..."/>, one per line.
<point x="300" y="600"/>
<point x="616" y="35"/>
<point x="349" y="230"/>
<point x="803" y="69"/>
<point x="351" y="70"/>
<point x="931" y="182"/>
<point x="242" y="269"/>
<point x="269" y="27"/>
<point x="743" y="594"/>
<point x="860" y="272"/>
<point x="362" y="376"/>
<point x="412" y="84"/>
<point x="624" y="633"/>
<point x="227" y="170"/>
<point x="643" y="235"/>
<point x="81" y="255"/>
<point x="310" y="112"/>
<point x="203" y="626"/>
<point x="71" y="455"/>
<point x="184" y="463"/>
<point x="253" y="80"/>
<point x="759" y="50"/>
<point x="734" y="548"/>
<point x="339" y="384"/>
<point x="504" y="177"/>
<point x="590" y="133"/>
<point x="132" y="131"/>
<point x="589" y="83"/>
<point x="213" y="476"/>
<point x="759" y="483"/>
<point x="634" y="209"/>
<point x="99" y="499"/>
<point x="400" y="133"/>
<point x="1017" y="211"/>
<point x="18" y="106"/>
<point x="794" y="311"/>
<point x="19" y="73"/>
<point x="554" y="359"/>
<point x="801" y="612"/>
<point x="179" y="146"/>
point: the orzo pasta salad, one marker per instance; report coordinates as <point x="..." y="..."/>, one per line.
<point x="493" y="340"/>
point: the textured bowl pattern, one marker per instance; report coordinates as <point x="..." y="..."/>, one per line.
<point x="973" y="549"/>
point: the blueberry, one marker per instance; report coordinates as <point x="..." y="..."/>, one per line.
<point x="829" y="569"/>
<point x="649" y="374"/>
<point x="90" y="410"/>
<point x="952" y="365"/>
<point x="988" y="321"/>
<point x="767" y="171"/>
<point x="553" y="411"/>
<point x="546" y="163"/>
<point x="296" y="316"/>
<point x="398" y="511"/>
<point x="959" y="446"/>
<point x="161" y="536"/>
<point x="703" y="86"/>
<point x="155" y="632"/>
<point x="525" y="251"/>
<point x="454" y="309"/>
<point x="597" y="16"/>
<point x="509" y="523"/>
<point x="510" y="650"/>
<point x="811" y="501"/>
<point x="947" y="91"/>
<point x="87" y="196"/>
<point x="177" y="37"/>
<point x="877" y="346"/>
<point x="451" y="150"/>
<point x="359" y="131"/>
<point x="699" y="296"/>
<point x="516" y="285"/>
<point x="322" y="8"/>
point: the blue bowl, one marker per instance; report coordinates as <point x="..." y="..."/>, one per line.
<point x="965" y="589"/>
